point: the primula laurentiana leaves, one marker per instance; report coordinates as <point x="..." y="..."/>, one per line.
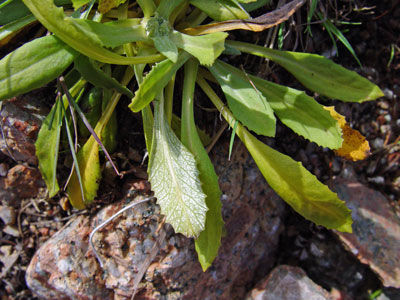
<point x="318" y="73"/>
<point x="206" y="48"/>
<point x="92" y="73"/>
<point x="174" y="178"/>
<point x="221" y="10"/>
<point x="155" y="81"/>
<point x="79" y="37"/>
<point x="248" y="105"/>
<point x="207" y="244"/>
<point x="295" y="109"/>
<point x="298" y="187"/>
<point x="33" y="65"/>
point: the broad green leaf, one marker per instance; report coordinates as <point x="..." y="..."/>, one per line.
<point x="70" y="31"/>
<point x="297" y="186"/>
<point x="90" y="171"/>
<point x="318" y="73"/>
<point x="221" y="10"/>
<point x="166" y="47"/>
<point x="47" y="145"/>
<point x="33" y="65"/>
<point x="79" y="3"/>
<point x="110" y="34"/>
<point x="209" y="241"/>
<point x="15" y="26"/>
<point x="166" y="7"/>
<point x="107" y="5"/>
<point x="300" y="112"/>
<point x="174" y="178"/>
<point x="155" y="81"/>
<point x="88" y="157"/>
<point x="248" y="105"/>
<point x="148" y="7"/>
<point x="48" y="140"/>
<point x="206" y="48"/>
<point x="92" y="73"/>
<point x="249" y="7"/>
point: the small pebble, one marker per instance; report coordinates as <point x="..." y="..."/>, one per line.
<point x="7" y="214"/>
<point x="377" y="180"/>
<point x="3" y="169"/>
<point x="11" y="230"/>
<point x="377" y="143"/>
<point x="388" y="94"/>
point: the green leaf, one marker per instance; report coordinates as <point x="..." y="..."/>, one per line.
<point x="15" y="26"/>
<point x="166" y="47"/>
<point x="221" y="10"/>
<point x="79" y="3"/>
<point x="209" y="241"/>
<point x="155" y="81"/>
<point x="300" y="112"/>
<point x="73" y="33"/>
<point x="33" y="65"/>
<point x="111" y="34"/>
<point x="90" y="171"/>
<point x="292" y="182"/>
<point x="206" y="48"/>
<point x="13" y="11"/>
<point x="174" y="179"/>
<point x="47" y="145"/>
<point x="318" y="73"/>
<point x="107" y="5"/>
<point x="249" y="7"/>
<point x="166" y="7"/>
<point x="248" y="105"/>
<point x="92" y="73"/>
<point x="48" y="140"/>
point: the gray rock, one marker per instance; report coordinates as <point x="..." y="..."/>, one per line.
<point x="66" y="267"/>
<point x="375" y="240"/>
<point x="7" y="214"/>
<point x="289" y="283"/>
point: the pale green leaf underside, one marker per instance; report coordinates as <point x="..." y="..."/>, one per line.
<point x="175" y="180"/>
<point x="248" y="105"/>
<point x="318" y="73"/>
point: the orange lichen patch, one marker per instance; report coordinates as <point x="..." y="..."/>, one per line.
<point x="355" y="146"/>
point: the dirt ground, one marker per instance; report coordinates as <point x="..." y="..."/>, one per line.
<point x="376" y="41"/>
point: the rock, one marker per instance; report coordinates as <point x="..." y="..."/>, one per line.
<point x="66" y="267"/>
<point x="7" y="214"/>
<point x="21" y="182"/>
<point x="21" y="118"/>
<point x="11" y="230"/>
<point x="375" y="240"/>
<point x="287" y="282"/>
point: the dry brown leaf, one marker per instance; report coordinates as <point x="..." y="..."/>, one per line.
<point x="355" y="146"/>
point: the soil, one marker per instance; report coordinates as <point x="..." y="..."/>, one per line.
<point x="376" y="42"/>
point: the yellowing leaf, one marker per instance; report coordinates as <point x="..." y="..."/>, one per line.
<point x="107" y="5"/>
<point x="355" y="146"/>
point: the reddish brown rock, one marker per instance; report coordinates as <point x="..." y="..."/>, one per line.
<point x="286" y="282"/>
<point x="21" y="118"/>
<point x="65" y="266"/>
<point x="375" y="240"/>
<point x="21" y="182"/>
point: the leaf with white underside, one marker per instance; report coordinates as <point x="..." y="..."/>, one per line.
<point x="175" y="179"/>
